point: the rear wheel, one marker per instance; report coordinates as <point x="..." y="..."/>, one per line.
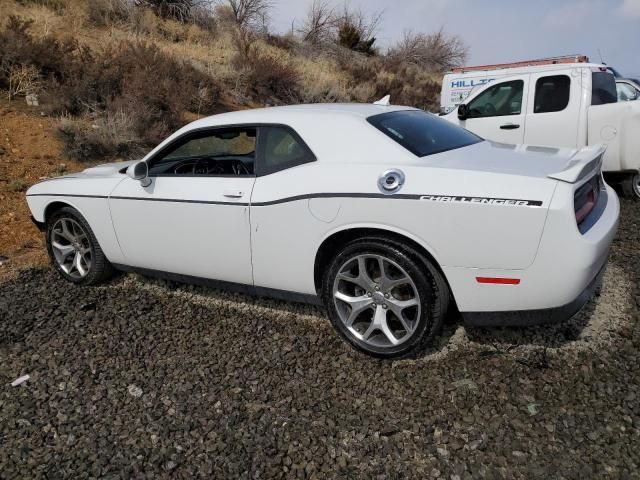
<point x="383" y="298"/>
<point x="74" y="250"/>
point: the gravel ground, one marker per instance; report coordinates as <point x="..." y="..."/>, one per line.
<point x="141" y="378"/>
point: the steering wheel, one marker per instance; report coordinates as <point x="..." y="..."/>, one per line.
<point x="490" y="109"/>
<point x="200" y="167"/>
<point x="239" y="168"/>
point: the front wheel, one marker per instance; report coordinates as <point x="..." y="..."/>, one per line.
<point x="74" y="250"/>
<point x="631" y="186"/>
<point x="384" y="298"/>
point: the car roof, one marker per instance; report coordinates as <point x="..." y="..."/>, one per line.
<point x="282" y="114"/>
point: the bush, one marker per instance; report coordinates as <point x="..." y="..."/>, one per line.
<point x="18" y="47"/>
<point x="109" y="136"/>
<point x="107" y="12"/>
<point x="152" y="89"/>
<point x="57" y="6"/>
<point x="271" y="80"/>
<point x="437" y="52"/>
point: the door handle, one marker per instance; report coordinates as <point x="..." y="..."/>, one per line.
<point x="233" y="194"/>
<point x="509" y="126"/>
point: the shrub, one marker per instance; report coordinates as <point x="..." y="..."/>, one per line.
<point x="436" y="52"/>
<point x="57" y="6"/>
<point x="109" y="136"/>
<point x="18" y="47"/>
<point x="23" y="80"/>
<point x="107" y="12"/>
<point x="18" y="186"/>
<point x="357" y="32"/>
<point x="271" y="80"/>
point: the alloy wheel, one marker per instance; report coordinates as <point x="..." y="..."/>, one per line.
<point x="376" y="300"/>
<point x="71" y="248"/>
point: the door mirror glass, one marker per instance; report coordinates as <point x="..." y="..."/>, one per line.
<point x="463" y="112"/>
<point x="139" y="171"/>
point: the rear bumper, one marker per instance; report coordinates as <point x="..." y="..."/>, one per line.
<point x="524" y="318"/>
<point x="563" y="276"/>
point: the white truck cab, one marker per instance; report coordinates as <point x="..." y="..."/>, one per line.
<point x="565" y="102"/>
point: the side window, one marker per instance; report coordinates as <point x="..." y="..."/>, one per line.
<point x="552" y="94"/>
<point x="499" y="100"/>
<point x="281" y="148"/>
<point x="603" y="88"/>
<point x="221" y="152"/>
<point x="626" y="92"/>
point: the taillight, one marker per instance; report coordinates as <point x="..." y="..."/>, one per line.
<point x="585" y="198"/>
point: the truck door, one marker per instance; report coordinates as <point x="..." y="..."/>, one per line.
<point x="553" y="109"/>
<point x="498" y="113"/>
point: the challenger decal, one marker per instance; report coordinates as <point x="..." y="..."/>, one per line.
<point x="509" y="202"/>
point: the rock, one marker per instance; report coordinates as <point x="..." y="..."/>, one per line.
<point x="20" y="380"/>
<point x="465" y="383"/>
<point x="32" y="100"/>
<point x="134" y="391"/>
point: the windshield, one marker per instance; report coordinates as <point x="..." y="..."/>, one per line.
<point x="422" y="133"/>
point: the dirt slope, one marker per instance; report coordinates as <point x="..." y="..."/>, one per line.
<point x="29" y="150"/>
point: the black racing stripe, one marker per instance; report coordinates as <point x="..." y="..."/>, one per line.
<point x="65" y="195"/>
<point x="179" y="200"/>
<point x="438" y="198"/>
<point x="335" y="195"/>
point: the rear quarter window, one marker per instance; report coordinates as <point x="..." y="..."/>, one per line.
<point x="422" y="133"/>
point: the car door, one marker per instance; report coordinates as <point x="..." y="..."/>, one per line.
<point x="498" y="113"/>
<point x="193" y="218"/>
<point x="282" y="226"/>
<point x="553" y="109"/>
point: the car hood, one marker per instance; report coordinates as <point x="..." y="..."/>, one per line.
<point x="523" y="160"/>
<point x="104" y="170"/>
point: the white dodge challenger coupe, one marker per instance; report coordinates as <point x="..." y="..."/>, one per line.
<point x="387" y="215"/>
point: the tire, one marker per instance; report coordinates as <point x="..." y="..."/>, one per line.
<point x="74" y="250"/>
<point x="413" y="288"/>
<point x="631" y="186"/>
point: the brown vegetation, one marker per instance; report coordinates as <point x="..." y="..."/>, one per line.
<point x="123" y="74"/>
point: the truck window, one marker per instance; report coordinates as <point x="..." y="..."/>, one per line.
<point x="499" y="100"/>
<point x="603" y="88"/>
<point x="626" y="92"/>
<point x="552" y="94"/>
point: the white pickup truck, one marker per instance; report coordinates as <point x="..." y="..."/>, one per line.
<point x="554" y="104"/>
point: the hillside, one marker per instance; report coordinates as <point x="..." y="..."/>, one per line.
<point x="112" y="78"/>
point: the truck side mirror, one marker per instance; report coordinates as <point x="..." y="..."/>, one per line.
<point x="463" y="112"/>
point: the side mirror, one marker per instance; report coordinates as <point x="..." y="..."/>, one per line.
<point x="139" y="171"/>
<point x="463" y="112"/>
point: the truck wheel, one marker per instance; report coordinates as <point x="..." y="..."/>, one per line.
<point x="631" y="186"/>
<point x="383" y="298"/>
<point x="74" y="249"/>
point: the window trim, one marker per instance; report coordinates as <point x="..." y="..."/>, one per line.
<point x="535" y="94"/>
<point x="258" y="169"/>
<point x="495" y="85"/>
